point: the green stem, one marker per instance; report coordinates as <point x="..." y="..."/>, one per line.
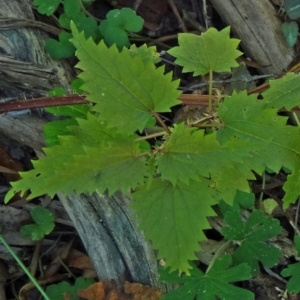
<point x="217" y="255"/>
<point x="17" y="259"/>
<point x="210" y="91"/>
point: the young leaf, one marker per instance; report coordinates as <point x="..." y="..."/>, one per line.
<point x="252" y="236"/>
<point x="246" y="118"/>
<point x="293" y="271"/>
<point x="117" y="23"/>
<point x="163" y="211"/>
<point x="126" y="91"/>
<point x="46" y="7"/>
<point x="212" y="51"/>
<point x="93" y="158"/>
<point x="213" y="285"/>
<point x="44" y="224"/>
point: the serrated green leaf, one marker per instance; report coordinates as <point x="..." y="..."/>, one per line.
<point x="252" y="236"/>
<point x="245" y="117"/>
<point x="63" y="289"/>
<point x="62" y="48"/>
<point x="213" y="285"/>
<point x="283" y="92"/>
<point x="117" y="22"/>
<point x="44" y="224"/>
<point x="188" y="154"/>
<point x="163" y="211"/>
<point x="93" y="158"/>
<point x="72" y="7"/>
<point x="46" y="7"/>
<point x="212" y="51"/>
<point x="125" y="90"/>
<point x="146" y="53"/>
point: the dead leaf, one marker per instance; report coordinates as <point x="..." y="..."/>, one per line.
<point x="141" y="292"/>
<point x="95" y="291"/>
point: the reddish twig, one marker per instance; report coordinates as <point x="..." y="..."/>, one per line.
<point x="42" y="102"/>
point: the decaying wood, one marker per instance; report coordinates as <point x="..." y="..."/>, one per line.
<point x="258" y="26"/>
<point x="26" y="70"/>
<point x="111" y="238"/>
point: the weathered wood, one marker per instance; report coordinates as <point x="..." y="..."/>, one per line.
<point x="257" y="25"/>
<point x="26" y="70"/>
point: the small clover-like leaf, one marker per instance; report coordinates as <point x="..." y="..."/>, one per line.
<point x="212" y="51"/>
<point x="117" y="23"/>
<point x="62" y="48"/>
<point x="252" y="236"/>
<point x="72" y="7"/>
<point x="215" y="284"/>
<point x="293" y="271"/>
<point x="44" y="224"/>
<point x="46" y="7"/>
<point x="83" y="23"/>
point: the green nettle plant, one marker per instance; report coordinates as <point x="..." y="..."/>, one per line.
<point x="174" y="184"/>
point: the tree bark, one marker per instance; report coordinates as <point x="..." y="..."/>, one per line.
<point x="258" y="26"/>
